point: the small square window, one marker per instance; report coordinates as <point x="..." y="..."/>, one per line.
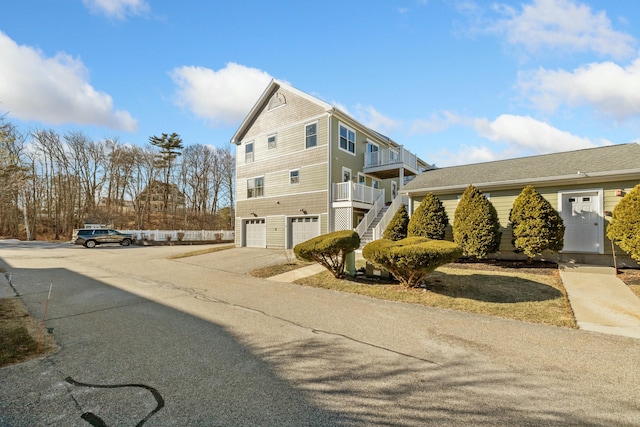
<point x="271" y="142"/>
<point x="294" y="177"/>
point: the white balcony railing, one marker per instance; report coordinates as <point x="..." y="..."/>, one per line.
<point x="371" y="215"/>
<point x="388" y="156"/>
<point x="352" y="192"/>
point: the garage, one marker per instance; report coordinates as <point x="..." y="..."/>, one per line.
<point x="303" y="228"/>
<point x="255" y="233"/>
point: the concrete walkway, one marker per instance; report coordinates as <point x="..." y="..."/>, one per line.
<point x="601" y="302"/>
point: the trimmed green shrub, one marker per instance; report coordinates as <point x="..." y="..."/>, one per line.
<point x="329" y="250"/>
<point x="410" y="260"/>
<point x="536" y="224"/>
<point x="476" y="228"/>
<point x="397" y="227"/>
<point x="624" y="228"/>
<point x="429" y="219"/>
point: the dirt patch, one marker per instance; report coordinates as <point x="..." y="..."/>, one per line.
<point x="631" y="277"/>
<point x="20" y="333"/>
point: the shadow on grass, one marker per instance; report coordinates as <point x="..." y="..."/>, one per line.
<point x="490" y="288"/>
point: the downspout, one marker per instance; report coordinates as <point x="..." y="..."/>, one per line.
<point x="330" y="225"/>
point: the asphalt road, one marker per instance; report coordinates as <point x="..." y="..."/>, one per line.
<point x="196" y="342"/>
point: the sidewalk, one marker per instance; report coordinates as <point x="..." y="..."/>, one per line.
<point x="601" y="302"/>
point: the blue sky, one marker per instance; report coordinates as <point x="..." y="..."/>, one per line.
<point x="455" y="81"/>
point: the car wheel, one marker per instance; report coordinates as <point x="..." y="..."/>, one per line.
<point x="126" y="242"/>
<point x="90" y="244"/>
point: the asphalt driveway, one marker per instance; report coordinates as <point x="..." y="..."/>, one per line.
<point x="195" y="341"/>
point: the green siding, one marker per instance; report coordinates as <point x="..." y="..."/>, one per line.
<point x="503" y="202"/>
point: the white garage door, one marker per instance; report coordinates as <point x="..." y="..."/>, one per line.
<point x="303" y="228"/>
<point x="255" y="233"/>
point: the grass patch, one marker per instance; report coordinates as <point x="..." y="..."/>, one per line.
<point x="631" y="277"/>
<point x="528" y="294"/>
<point x="201" y="252"/>
<point x="19" y="334"/>
<point x="274" y="270"/>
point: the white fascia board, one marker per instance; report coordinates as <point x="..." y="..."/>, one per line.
<point x="572" y="179"/>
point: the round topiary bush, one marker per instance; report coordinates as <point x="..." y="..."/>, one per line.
<point x="329" y="250"/>
<point x="429" y="219"/>
<point x="397" y="227"/>
<point x="624" y="228"/>
<point x="476" y="228"/>
<point x="410" y="260"/>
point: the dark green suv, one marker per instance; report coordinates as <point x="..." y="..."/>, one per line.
<point x="91" y="237"/>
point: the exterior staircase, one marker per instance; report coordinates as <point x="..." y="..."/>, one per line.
<point x="368" y="235"/>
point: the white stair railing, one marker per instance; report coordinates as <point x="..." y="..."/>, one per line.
<point x="371" y="214"/>
<point x="378" y="231"/>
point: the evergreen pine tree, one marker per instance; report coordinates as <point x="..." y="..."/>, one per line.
<point x="624" y="228"/>
<point x="397" y="227"/>
<point x="536" y="225"/>
<point x="475" y="224"/>
<point x="429" y="219"/>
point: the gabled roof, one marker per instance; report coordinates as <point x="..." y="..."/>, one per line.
<point x="272" y="88"/>
<point x="582" y="166"/>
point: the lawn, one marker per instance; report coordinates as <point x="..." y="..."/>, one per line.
<point x="510" y="291"/>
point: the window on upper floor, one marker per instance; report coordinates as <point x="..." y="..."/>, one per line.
<point x="294" y="177"/>
<point x="248" y="152"/>
<point x="311" y="135"/>
<point x="272" y="141"/>
<point x="347" y="139"/>
<point x="255" y="187"/>
<point x="375" y="183"/>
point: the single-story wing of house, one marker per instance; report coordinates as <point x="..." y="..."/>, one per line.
<point x="583" y="185"/>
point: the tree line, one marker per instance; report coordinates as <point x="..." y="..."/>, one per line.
<point x="52" y="183"/>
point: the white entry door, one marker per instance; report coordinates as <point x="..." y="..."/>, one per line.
<point x="583" y="222"/>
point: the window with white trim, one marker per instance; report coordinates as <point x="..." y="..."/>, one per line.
<point x="271" y="142"/>
<point x="255" y="187"/>
<point x="347" y="139"/>
<point x="294" y="177"/>
<point x="362" y="180"/>
<point x="311" y="135"/>
<point x="375" y="183"/>
<point x="248" y="152"/>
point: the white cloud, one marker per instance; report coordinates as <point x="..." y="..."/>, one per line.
<point x="437" y="123"/>
<point x="222" y="97"/>
<point x="608" y="87"/>
<point x="526" y="134"/>
<point x="466" y="155"/>
<point x="53" y="90"/>
<point x="117" y="8"/>
<point x="567" y="25"/>
<point x="375" y="120"/>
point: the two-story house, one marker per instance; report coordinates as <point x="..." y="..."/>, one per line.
<point x="305" y="168"/>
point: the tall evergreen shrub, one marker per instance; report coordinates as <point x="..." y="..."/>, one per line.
<point x="537" y="226"/>
<point x="429" y="219"/>
<point x="397" y="227"/>
<point x="476" y="228"/>
<point x="624" y="228"/>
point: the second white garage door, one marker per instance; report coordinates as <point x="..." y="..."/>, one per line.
<point x="255" y="233"/>
<point x="303" y="228"/>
